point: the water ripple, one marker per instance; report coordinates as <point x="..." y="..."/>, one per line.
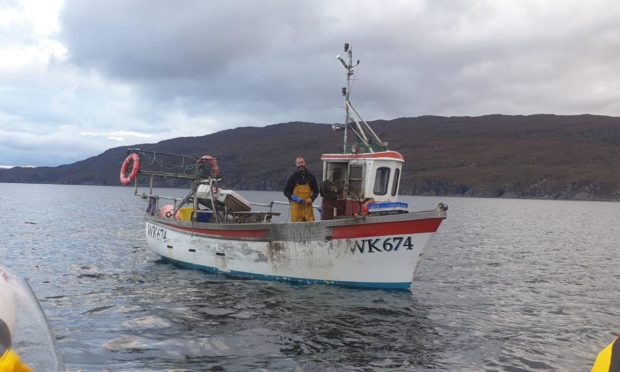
<point x="507" y="285"/>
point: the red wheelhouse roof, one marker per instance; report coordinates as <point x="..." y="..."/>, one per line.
<point x="388" y="155"/>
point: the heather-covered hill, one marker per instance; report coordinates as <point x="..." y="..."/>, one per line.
<point x="536" y="156"/>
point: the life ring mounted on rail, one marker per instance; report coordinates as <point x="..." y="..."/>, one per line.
<point x="134" y="160"/>
<point x="215" y="169"/>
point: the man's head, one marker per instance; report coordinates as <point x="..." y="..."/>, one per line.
<point x="300" y="163"/>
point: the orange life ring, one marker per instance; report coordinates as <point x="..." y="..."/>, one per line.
<point x="134" y="159"/>
<point x="215" y="169"/>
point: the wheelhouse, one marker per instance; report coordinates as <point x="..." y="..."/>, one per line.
<point x="352" y="182"/>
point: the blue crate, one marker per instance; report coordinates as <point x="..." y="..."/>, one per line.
<point x="387" y="206"/>
<point x="203" y="216"/>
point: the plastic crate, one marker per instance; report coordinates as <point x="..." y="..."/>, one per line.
<point x="388" y="208"/>
<point x="203" y="216"/>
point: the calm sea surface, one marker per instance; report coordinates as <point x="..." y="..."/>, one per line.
<point x="514" y="285"/>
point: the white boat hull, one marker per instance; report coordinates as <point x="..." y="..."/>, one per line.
<point x="374" y="252"/>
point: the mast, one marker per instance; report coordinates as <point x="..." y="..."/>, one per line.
<point x="348" y="65"/>
<point x="369" y="140"/>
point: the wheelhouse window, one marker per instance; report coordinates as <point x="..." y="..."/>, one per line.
<point x="382" y="179"/>
<point x="337" y="175"/>
<point x="335" y="172"/>
<point x="355" y="179"/>
<point x="395" y="184"/>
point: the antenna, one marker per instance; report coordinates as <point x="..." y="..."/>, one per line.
<point x="362" y="130"/>
<point x="349" y="66"/>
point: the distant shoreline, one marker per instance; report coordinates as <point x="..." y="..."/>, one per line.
<point x="539" y="157"/>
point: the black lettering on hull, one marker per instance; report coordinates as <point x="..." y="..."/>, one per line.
<point x="380" y="245"/>
<point x="156" y="232"/>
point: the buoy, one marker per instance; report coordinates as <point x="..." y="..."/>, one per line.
<point x="166" y="211"/>
<point x="134" y="159"/>
<point x="215" y="169"/>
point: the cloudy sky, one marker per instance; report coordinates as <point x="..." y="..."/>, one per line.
<point x="78" y="77"/>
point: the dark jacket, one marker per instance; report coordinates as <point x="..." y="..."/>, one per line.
<point x="301" y="178"/>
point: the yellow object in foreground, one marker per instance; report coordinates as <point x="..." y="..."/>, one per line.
<point x="10" y="362"/>
<point x="608" y="360"/>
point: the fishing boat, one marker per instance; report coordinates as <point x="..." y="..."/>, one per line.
<point x="365" y="237"/>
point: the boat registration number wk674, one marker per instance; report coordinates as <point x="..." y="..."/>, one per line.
<point x="156" y="232"/>
<point x="391" y="244"/>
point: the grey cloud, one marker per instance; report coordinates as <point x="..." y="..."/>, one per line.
<point x="275" y="59"/>
<point x="212" y="53"/>
<point x="165" y="40"/>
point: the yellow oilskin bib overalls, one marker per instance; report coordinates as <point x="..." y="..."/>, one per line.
<point x="300" y="211"/>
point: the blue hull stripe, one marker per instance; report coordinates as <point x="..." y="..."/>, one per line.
<point x="242" y="274"/>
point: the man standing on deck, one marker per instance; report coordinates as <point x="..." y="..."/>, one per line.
<point x="301" y="190"/>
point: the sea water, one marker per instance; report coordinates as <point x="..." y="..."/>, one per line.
<point x="505" y="285"/>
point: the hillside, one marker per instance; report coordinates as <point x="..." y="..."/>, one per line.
<point x="537" y="156"/>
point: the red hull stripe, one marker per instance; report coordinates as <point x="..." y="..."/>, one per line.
<point x="239" y="234"/>
<point x="387" y="228"/>
<point x="371" y="155"/>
